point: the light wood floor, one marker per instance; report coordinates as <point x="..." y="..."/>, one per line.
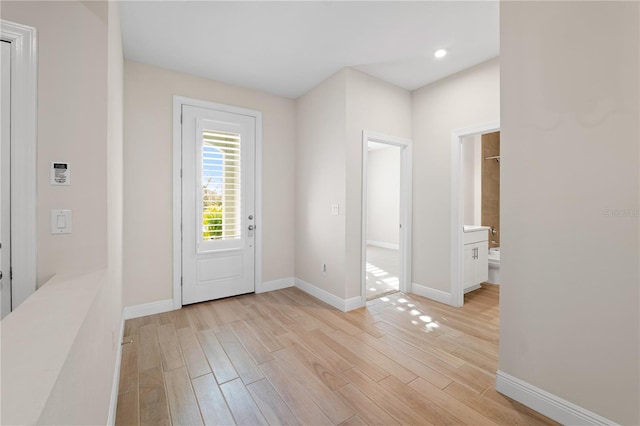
<point x="285" y="358"/>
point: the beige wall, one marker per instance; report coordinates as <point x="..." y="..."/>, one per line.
<point x="320" y="182"/>
<point x="383" y="195"/>
<point x="569" y="305"/>
<point x="466" y="99"/>
<point x="375" y="106"/>
<point x="80" y="121"/>
<point x="148" y="196"/>
<point x="330" y="122"/>
<point x="72" y="124"/>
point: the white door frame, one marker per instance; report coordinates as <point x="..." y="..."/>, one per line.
<point x="457" y="205"/>
<point x="405" y="207"/>
<point x="178" y="102"/>
<point x="24" y="92"/>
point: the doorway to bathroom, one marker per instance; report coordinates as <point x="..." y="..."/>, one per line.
<point x="475" y="195"/>
<point x="386" y="206"/>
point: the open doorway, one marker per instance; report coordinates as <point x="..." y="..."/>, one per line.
<point x="475" y="195"/>
<point x="383" y="220"/>
<point x="386" y="215"/>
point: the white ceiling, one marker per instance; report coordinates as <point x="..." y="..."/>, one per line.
<point x="287" y="48"/>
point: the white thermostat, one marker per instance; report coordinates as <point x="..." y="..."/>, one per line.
<point x="60" y="173"/>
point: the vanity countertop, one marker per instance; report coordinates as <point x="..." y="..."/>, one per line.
<point x="475" y="228"/>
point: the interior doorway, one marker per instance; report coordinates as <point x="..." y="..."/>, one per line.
<point x="473" y="205"/>
<point x="386" y="215"/>
<point x="18" y="164"/>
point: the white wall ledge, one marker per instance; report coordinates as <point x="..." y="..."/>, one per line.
<point x="36" y="340"/>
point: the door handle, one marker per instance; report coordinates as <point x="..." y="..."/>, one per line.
<point x="251" y="228"/>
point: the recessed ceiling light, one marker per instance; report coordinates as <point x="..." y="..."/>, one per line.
<point x="440" y="53"/>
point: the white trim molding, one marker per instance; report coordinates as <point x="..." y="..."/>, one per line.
<point x="331" y="299"/>
<point x="457" y="206"/>
<point x="24" y="109"/>
<point x="113" y="405"/>
<point x="145" y="309"/>
<point x="546" y="403"/>
<point x="382" y="244"/>
<point x="406" y="210"/>
<point x="275" y="285"/>
<point x="431" y="293"/>
<point x="178" y="102"/>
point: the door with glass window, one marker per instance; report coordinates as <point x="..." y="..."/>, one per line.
<point x="218" y="197"/>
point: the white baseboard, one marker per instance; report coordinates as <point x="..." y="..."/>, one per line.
<point x="113" y="405"/>
<point x="275" y="285"/>
<point x="431" y="293"/>
<point x="383" y="245"/>
<point x="333" y="300"/>
<point x="353" y="303"/>
<point x="546" y="403"/>
<point x="148" y="309"/>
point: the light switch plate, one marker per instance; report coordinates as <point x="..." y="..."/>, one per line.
<point x="60" y="221"/>
<point x="335" y="209"/>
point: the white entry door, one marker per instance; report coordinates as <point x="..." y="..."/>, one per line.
<point x="218" y="199"/>
<point x="5" y="184"/>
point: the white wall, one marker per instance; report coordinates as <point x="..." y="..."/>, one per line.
<point x="320" y="182"/>
<point x="570" y="171"/>
<point x="472" y="179"/>
<point x="330" y="122"/>
<point x="383" y="195"/>
<point x="80" y="121"/>
<point x="466" y="99"/>
<point x="376" y="106"/>
<point x="72" y="125"/>
<point x="148" y="198"/>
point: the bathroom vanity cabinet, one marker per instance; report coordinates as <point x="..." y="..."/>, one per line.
<point x="476" y="257"/>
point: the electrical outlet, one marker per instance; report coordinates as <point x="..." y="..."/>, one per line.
<point x="323" y="268"/>
<point x="335" y="209"/>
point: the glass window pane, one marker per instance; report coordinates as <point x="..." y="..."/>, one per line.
<point x="221" y="191"/>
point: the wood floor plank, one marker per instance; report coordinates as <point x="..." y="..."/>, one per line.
<point x="533" y="416"/>
<point x="419" y="403"/>
<point x="263" y="334"/>
<point x="220" y="364"/>
<point x="182" y="402"/>
<point x="244" y="365"/>
<point x="317" y="366"/>
<point x="252" y="344"/>
<point x="384" y="399"/>
<point x="153" y="406"/>
<point x="169" y="347"/>
<point x="197" y="317"/>
<point x="294" y="395"/>
<point x="127" y="411"/>
<point x="330" y="403"/>
<point x="244" y="409"/>
<point x="374" y="357"/>
<point x="460" y="410"/>
<point x="354" y="421"/>
<point x="148" y="348"/>
<point x="273" y="408"/>
<point x="369" y="411"/>
<point x="414" y="365"/>
<point x="333" y="360"/>
<point x="193" y="356"/>
<point x="371" y="370"/>
<point x="213" y="407"/>
<point x="284" y="357"/>
<point x="488" y="408"/>
<point x="129" y="367"/>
